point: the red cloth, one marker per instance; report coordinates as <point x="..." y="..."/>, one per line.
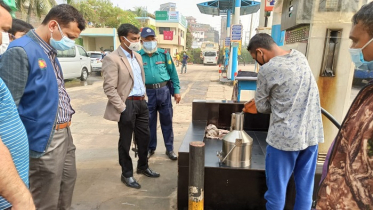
<point x="168" y="35"/>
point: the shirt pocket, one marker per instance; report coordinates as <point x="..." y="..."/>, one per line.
<point x="162" y="69"/>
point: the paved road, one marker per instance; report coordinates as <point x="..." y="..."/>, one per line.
<point x="98" y="185"/>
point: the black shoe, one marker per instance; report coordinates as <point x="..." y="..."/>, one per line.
<point x="171" y="155"/>
<point x="130" y="182"/>
<point x="148" y="172"/>
<point x="150" y="153"/>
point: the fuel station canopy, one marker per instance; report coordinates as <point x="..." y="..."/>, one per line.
<point x="220" y="7"/>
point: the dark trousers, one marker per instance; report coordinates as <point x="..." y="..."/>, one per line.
<point x="135" y="119"/>
<point x="160" y="100"/>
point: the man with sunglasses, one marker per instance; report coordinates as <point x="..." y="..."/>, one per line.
<point x="32" y="72"/>
<point x="287" y="89"/>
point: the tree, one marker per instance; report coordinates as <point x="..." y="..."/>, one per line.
<point x="245" y="56"/>
<point x="189" y="39"/>
<point x="38" y="7"/>
<point x="102" y="13"/>
<point x="142" y="12"/>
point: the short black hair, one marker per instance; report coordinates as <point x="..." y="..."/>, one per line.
<point x="126" y="28"/>
<point x="65" y="14"/>
<point x="365" y="15"/>
<point x="5" y="6"/>
<point x="20" y="26"/>
<point x="261" y="40"/>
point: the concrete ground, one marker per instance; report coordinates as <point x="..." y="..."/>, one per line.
<point x="98" y="185"/>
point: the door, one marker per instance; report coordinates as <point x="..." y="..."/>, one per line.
<point x="67" y="60"/>
<point x="85" y="60"/>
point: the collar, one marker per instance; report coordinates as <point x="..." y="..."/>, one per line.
<point x="127" y="53"/>
<point x="46" y="47"/>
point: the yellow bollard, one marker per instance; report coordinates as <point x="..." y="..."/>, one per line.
<point x="196" y="175"/>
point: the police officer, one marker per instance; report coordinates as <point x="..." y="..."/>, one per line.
<point x="162" y="82"/>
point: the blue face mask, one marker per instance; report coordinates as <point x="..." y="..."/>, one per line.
<point x="64" y="44"/>
<point x="357" y="57"/>
<point x="150" y="47"/>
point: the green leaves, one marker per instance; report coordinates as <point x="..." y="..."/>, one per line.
<point x="37" y="7"/>
<point x="102" y="13"/>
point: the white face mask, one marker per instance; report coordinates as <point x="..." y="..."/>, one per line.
<point x="150" y="47"/>
<point x="5" y="42"/>
<point x="134" y="46"/>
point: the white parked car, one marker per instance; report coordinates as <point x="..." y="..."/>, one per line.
<point x="75" y="63"/>
<point x="96" y="60"/>
<point x="210" y="57"/>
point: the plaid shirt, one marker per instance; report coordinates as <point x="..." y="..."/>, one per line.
<point x="65" y="110"/>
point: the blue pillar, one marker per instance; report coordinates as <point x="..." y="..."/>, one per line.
<point x="234" y="62"/>
<point x="228" y="35"/>
<point x="228" y="22"/>
<point x="278" y="35"/>
<point x="235" y="49"/>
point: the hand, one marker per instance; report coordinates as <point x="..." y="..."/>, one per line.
<point x="250" y="107"/>
<point x="177" y="98"/>
<point x="25" y="202"/>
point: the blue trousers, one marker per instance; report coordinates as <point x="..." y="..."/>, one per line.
<point x="160" y="101"/>
<point x="280" y="165"/>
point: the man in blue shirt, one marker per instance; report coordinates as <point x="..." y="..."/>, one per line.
<point x="14" y="148"/>
<point x="160" y="73"/>
<point x="124" y="85"/>
<point x="184" y="62"/>
<point x="13" y="152"/>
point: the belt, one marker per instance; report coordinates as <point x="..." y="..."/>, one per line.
<point x="136" y="98"/>
<point x="156" y="86"/>
<point x="63" y="125"/>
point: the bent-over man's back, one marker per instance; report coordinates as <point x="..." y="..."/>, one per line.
<point x="293" y="100"/>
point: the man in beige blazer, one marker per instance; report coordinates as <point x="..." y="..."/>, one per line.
<point x="124" y="85"/>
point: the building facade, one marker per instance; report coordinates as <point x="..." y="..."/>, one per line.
<point x="171" y="30"/>
<point x="201" y="32"/>
<point x="170" y="6"/>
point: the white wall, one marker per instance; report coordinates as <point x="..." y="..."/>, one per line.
<point x="89" y="43"/>
<point x="105" y="42"/>
<point x="334" y="91"/>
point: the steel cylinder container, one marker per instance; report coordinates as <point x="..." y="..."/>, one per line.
<point x="237" y="144"/>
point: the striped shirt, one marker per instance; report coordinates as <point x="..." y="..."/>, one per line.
<point x="14" y="136"/>
<point x="138" y="86"/>
<point x="65" y="110"/>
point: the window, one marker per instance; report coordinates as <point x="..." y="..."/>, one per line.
<point x="70" y="53"/>
<point x="161" y="29"/>
<point x="330" y="6"/>
<point x="210" y="45"/>
<point x="167" y="49"/>
<point x="210" y="54"/>
<point x="82" y="52"/>
<point x="331" y="51"/>
<point x="96" y="55"/>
